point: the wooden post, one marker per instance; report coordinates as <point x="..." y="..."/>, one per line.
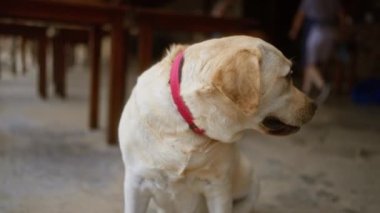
<point x="42" y="44"/>
<point x="59" y="75"/>
<point x="23" y="55"/>
<point x="117" y="79"/>
<point x="14" y="55"/>
<point x="94" y="53"/>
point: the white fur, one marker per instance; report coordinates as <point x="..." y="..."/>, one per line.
<point x="165" y="162"/>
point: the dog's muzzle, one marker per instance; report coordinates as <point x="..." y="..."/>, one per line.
<point x="275" y="126"/>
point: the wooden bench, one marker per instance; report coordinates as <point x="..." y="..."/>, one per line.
<point x="92" y="16"/>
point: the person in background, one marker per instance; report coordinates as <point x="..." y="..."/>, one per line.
<point x="323" y="17"/>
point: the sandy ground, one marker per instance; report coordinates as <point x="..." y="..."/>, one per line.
<point x="51" y="163"/>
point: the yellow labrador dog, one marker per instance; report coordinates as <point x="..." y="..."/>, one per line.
<point x="178" y="128"/>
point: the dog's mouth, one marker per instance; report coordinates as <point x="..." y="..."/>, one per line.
<point x="275" y="126"/>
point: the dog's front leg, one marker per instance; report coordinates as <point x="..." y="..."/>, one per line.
<point x="135" y="199"/>
<point x="219" y="199"/>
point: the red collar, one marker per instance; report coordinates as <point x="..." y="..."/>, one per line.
<point x="175" y="80"/>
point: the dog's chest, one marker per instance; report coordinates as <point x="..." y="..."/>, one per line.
<point x="179" y="186"/>
<point x="207" y="163"/>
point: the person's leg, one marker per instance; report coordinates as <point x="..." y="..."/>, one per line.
<point x="326" y="51"/>
<point x="311" y="54"/>
<point x="315" y="76"/>
<point x="312" y="73"/>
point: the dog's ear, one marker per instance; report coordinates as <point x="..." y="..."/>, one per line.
<point x="238" y="79"/>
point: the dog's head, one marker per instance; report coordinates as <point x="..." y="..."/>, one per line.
<point x="250" y="82"/>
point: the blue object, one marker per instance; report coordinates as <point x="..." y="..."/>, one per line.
<point x="367" y="92"/>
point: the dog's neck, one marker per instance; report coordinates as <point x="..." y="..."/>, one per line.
<point x="218" y="121"/>
<point x="175" y="89"/>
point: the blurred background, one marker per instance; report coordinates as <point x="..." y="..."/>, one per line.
<point x="68" y="66"/>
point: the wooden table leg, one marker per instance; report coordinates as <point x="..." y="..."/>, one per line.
<point x="14" y="55"/>
<point x="1" y="40"/>
<point x="145" y="44"/>
<point x="59" y="75"/>
<point x="117" y="80"/>
<point x="42" y="44"/>
<point x="23" y="55"/>
<point x="94" y="53"/>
